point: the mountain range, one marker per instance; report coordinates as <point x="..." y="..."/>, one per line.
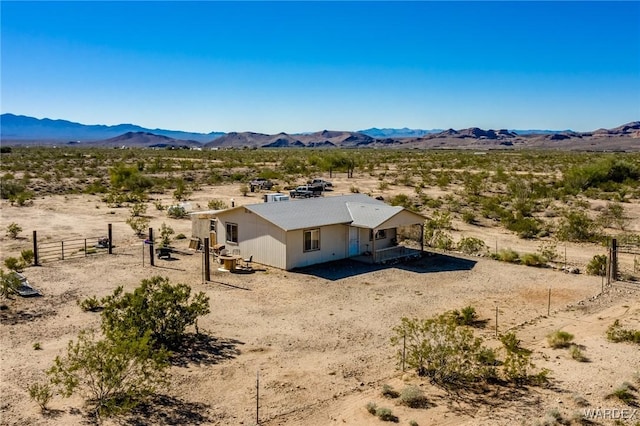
<point x="21" y="130"/>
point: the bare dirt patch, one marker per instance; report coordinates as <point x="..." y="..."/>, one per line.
<point x="319" y="338"/>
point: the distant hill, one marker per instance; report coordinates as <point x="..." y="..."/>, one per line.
<point x="323" y="139"/>
<point x="17" y="129"/>
<point x="405" y="132"/>
<point x="142" y="140"/>
<point x="20" y="127"/>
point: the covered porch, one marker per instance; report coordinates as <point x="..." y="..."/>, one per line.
<point x="379" y="236"/>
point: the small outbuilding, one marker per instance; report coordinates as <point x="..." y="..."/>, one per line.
<point x="298" y="233"/>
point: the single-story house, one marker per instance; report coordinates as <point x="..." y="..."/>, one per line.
<point x="298" y="233"/>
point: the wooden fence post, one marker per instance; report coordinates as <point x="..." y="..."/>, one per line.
<point x="207" y="266"/>
<point x="35" y="248"/>
<point x="110" y="237"/>
<point x="151" y="247"/>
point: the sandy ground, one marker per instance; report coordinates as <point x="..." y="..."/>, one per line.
<point x="318" y="338"/>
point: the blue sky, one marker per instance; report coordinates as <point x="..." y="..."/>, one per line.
<point x="307" y="66"/>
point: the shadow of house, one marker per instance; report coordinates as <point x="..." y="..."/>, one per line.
<point x="432" y="263"/>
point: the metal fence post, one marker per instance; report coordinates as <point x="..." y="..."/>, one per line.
<point x="35" y="248"/>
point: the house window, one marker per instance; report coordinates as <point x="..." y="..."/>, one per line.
<point x="381" y="234"/>
<point x="212" y="225"/>
<point x="312" y="239"/>
<point x="232" y="233"/>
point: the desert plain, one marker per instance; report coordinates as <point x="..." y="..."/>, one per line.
<point x="315" y="343"/>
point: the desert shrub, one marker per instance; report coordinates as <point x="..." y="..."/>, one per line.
<point x="27" y="256"/>
<point x="156" y="306"/>
<point x="517" y="363"/>
<point x="466" y="316"/>
<point x="402" y="200"/>
<point x="600" y="173"/>
<point x="624" y="393"/>
<point x="181" y="236"/>
<point x="217" y="204"/>
<point x="41" y="393"/>
<point x="13" y="230"/>
<point x="244" y="190"/>
<point x="413" y="397"/>
<point x="37" y="346"/>
<point x="371" y="408"/>
<point x="508" y="255"/>
<point x="113" y="374"/>
<point x="577" y="354"/>
<point x="616" y="333"/>
<point x="91" y="304"/>
<point x="559" y="339"/>
<point x="389" y="392"/>
<point x="354" y="189"/>
<point x="471" y="245"/>
<point x="468" y="217"/>
<point x="177" y="212"/>
<point x="413" y="423"/>
<point x="441" y="350"/>
<point x="9" y="188"/>
<point x="525" y="227"/>
<point x="532" y="259"/>
<point x="158" y="205"/>
<point x="613" y="215"/>
<point x="597" y="265"/>
<point x="436" y="231"/>
<point x="577" y="226"/>
<point x="165" y="235"/>
<point x="386" y="415"/>
<point x="9" y="283"/>
<point x="138" y="224"/>
<point x="138" y="209"/>
<point x="548" y="251"/>
<point x="13" y="264"/>
<point x="129" y="179"/>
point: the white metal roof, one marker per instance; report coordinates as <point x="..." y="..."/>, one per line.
<point x="357" y="210"/>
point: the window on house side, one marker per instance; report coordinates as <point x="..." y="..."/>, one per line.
<point x="312" y="239"/>
<point x="232" y="233"/>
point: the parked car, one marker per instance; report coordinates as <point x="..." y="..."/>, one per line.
<point x="260" y="183"/>
<point x="321" y="182"/>
<point x="306" y="191"/>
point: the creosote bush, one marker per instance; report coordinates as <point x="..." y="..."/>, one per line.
<point x="156" y="306"/>
<point x="452" y="357"/>
<point x="616" y="333"/>
<point x="413" y="397"/>
<point x="13" y="230"/>
<point x="41" y="393"/>
<point x="559" y="339"/>
<point x="9" y="283"/>
<point x="597" y="265"/>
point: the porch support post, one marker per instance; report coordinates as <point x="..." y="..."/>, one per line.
<point x="421" y="238"/>
<point x="373" y="246"/>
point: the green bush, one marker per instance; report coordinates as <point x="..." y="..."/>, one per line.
<point x="156" y="306"/>
<point x="177" y="212"/>
<point x="559" y="339"/>
<point x="91" y="304"/>
<point x="13" y="230"/>
<point x="616" y="333"/>
<point x="577" y="354"/>
<point x="386" y="415"/>
<point x="532" y="259"/>
<point x="9" y="283"/>
<point x="624" y="393"/>
<point x="578" y="227"/>
<point x="371" y="408"/>
<point x="466" y="316"/>
<point x="116" y="373"/>
<point x="13" y="264"/>
<point x="41" y="393"/>
<point x="508" y="255"/>
<point x="217" y="204"/>
<point x="413" y="397"/>
<point x="27" y="256"/>
<point x="471" y="245"/>
<point x="389" y="392"/>
<point x="165" y="235"/>
<point x="597" y="265"/>
<point x="138" y="224"/>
